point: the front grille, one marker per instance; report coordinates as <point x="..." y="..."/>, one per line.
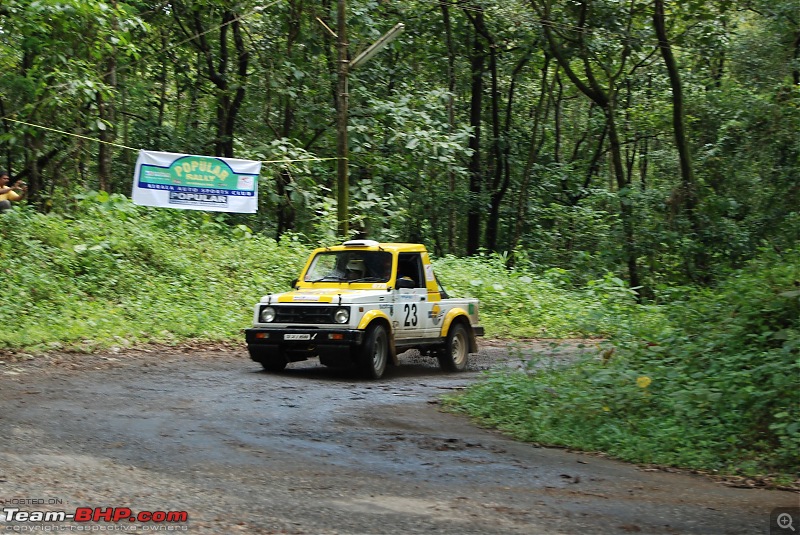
<point x="309" y="314"/>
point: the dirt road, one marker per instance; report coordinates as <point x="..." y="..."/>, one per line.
<point x="314" y="451"/>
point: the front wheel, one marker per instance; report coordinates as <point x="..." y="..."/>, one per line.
<point x="453" y="357"/>
<point x="374" y="354"/>
<point x="273" y="364"/>
<point x="271" y="361"/>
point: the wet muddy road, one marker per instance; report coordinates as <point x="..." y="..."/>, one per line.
<point x="315" y="451"/>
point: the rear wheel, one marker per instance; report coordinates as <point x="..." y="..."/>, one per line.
<point x="453" y="357"/>
<point x="374" y="353"/>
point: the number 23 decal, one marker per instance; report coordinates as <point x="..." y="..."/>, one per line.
<point x="411" y="315"/>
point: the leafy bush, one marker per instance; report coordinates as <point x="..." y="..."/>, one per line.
<point x="119" y="274"/>
<point x="522" y="304"/>
<point x="116" y="273"/>
<point x="715" y="388"/>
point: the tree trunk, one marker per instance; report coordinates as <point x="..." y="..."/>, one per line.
<point x="107" y="115"/>
<point x="477" y="60"/>
<point x="342" y="103"/>
<point x="286" y="210"/>
<point x="678" y="116"/>
<point x="228" y="102"/>
<point x="534" y="148"/>
<point x="688" y="183"/>
<point x="502" y="143"/>
<point x="451" y="121"/>
<point x="625" y="203"/>
<point x="605" y="98"/>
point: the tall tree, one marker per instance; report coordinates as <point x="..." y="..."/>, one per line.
<point x="689" y="190"/>
<point x="599" y="79"/>
<point x="227" y="71"/>
<point x="106" y="114"/>
<point x="477" y="68"/>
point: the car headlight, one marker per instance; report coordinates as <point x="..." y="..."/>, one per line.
<point x="268" y="315"/>
<point x="342" y="315"/>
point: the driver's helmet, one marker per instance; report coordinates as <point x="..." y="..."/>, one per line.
<point x="356" y="269"/>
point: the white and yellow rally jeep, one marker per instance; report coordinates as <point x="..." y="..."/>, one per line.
<point x="361" y="303"/>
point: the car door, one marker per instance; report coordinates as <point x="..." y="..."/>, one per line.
<point x="412" y="309"/>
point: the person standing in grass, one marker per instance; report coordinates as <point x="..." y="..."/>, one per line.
<point x="9" y="194"/>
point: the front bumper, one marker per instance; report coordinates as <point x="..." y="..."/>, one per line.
<point x="330" y="345"/>
<point x="299" y="337"/>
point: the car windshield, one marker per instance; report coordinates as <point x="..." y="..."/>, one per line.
<point x="350" y="266"/>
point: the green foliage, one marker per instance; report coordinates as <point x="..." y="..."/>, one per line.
<point x="539" y="178"/>
<point x="716" y="387"/>
<point x="513" y="303"/>
<point x="519" y="303"/>
<point x="121" y="274"/>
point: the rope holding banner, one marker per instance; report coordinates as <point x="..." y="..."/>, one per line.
<point x="137" y="150"/>
<point x="68" y="133"/>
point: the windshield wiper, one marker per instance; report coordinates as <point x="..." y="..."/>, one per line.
<point x="328" y="278"/>
<point x="368" y="279"/>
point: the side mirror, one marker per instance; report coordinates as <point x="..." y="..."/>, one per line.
<point x="294" y="284"/>
<point x="405" y="283"/>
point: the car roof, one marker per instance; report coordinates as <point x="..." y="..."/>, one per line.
<point x="370" y="245"/>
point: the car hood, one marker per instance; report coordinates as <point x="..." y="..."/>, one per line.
<point x="329" y="295"/>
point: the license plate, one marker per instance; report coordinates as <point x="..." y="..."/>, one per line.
<point x="297" y="336"/>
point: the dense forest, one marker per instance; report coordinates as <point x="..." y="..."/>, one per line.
<point x="657" y="140"/>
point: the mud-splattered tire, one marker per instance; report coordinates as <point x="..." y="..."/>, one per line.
<point x="454" y="356"/>
<point x="374" y="353"/>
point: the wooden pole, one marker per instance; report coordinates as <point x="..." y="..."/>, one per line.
<point x="342" y="178"/>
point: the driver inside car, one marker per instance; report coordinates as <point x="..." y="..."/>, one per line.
<point x="355" y="269"/>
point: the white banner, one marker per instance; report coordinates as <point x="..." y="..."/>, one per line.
<point x="170" y="180"/>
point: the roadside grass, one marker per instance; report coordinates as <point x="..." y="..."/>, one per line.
<point x="715" y="388"/>
<point x="122" y="275"/>
<point x="708" y="380"/>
